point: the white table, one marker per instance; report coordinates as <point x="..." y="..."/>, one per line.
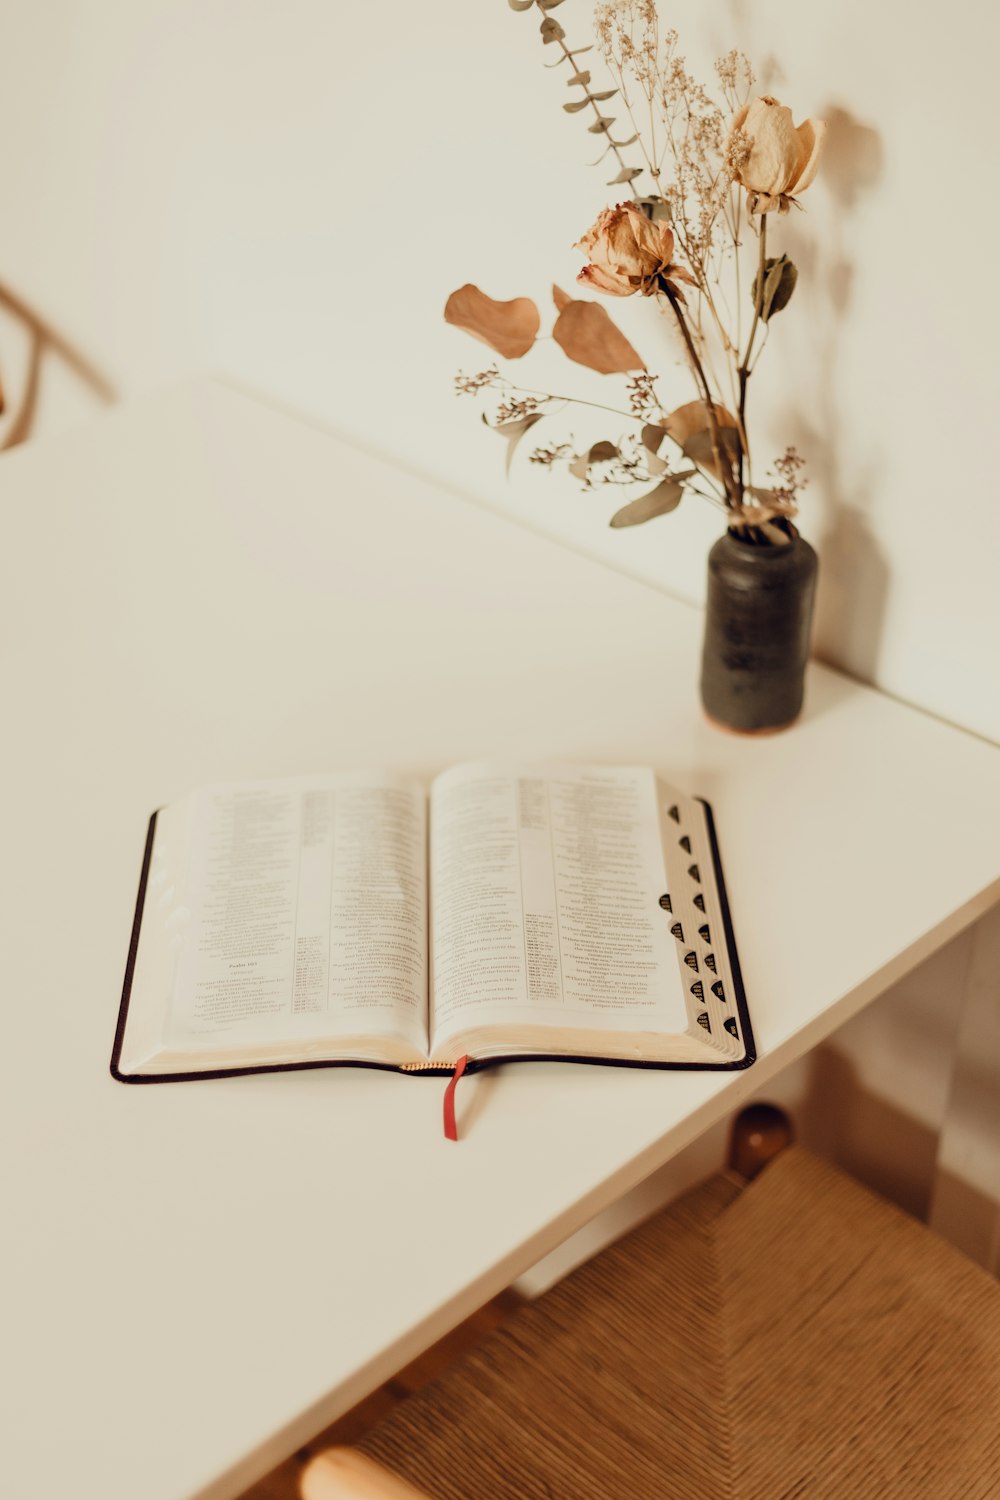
<point x="201" y="1276"/>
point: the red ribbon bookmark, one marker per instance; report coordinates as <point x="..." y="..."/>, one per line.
<point x="450" y="1127"/>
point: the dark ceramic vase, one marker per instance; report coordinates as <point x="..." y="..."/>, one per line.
<point x="760" y="605"/>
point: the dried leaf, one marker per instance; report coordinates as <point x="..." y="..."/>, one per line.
<point x="659" y="502"/>
<point x="549" y="4"/>
<point x="605" y="94"/>
<point x="655" y="466"/>
<point x="630" y="142"/>
<point x="766" y="497"/>
<point x="652" y="437"/>
<point x="686" y="420"/>
<point x="581" y="78"/>
<point x="576" y="52"/>
<point x="576" y="106"/>
<point x="599" y="453"/>
<point x="768" y="506"/>
<point x="520" y="4"/>
<point x="688" y="426"/>
<point x="551" y="31"/>
<point x="514" y="432"/>
<point x="601" y="124"/>
<point x="510" y="328"/>
<point x="627" y="174"/>
<point x="701" y="449"/>
<point x="586" y="335"/>
<point x="780" y="276"/>
<point x="560" y="298"/>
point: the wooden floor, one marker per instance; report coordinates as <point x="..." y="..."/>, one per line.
<point x="283" y="1483"/>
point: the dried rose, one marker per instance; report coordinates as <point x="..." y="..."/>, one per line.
<point x="629" y="253"/>
<point x="780" y="159"/>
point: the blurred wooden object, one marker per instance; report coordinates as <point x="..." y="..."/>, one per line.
<point x="343" y="1474"/>
<point x="759" y="1133"/>
<point x="787" y="1334"/>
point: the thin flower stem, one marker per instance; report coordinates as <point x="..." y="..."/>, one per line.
<point x="576" y="401"/>
<point x="618" y="76"/>
<point x="699" y="374"/>
<point x="737" y="245"/>
<point x="744" y="371"/>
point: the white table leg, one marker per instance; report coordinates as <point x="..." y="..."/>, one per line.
<point x="965" y="1206"/>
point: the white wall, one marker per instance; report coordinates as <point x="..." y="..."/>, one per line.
<point x="286" y="190"/>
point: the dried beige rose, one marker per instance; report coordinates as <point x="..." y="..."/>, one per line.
<point x="628" y="253"/>
<point x="780" y="159"/>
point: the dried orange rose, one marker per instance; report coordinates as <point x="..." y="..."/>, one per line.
<point x="779" y="159"/>
<point x="629" y="253"/>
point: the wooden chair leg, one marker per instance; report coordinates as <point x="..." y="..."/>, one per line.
<point x="343" y="1474"/>
<point x="759" y="1133"/>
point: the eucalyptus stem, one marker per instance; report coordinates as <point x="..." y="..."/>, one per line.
<point x="606" y="132"/>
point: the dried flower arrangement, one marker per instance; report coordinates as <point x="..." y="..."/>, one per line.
<point x="717" y="168"/>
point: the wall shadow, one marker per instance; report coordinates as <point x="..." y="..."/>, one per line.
<point x="889" y="1151"/>
<point x="854" y="578"/>
<point x="44" y="342"/>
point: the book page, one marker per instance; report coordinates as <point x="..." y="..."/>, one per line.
<point x="307" y="903"/>
<point x="545" y="907"/>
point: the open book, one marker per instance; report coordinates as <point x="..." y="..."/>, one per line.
<point x="511" y="911"/>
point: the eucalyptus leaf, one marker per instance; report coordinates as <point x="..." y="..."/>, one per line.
<point x="598" y="453"/>
<point x="587" y="335"/>
<point x="630" y="142"/>
<point x="520" y="4"/>
<point x="551" y="31"/>
<point x="604" y="94"/>
<point x="655" y="465"/>
<point x="579" y="51"/>
<point x="581" y="78"/>
<point x="652" y="437"/>
<point x="627" y="174"/>
<point x="548" y="4"/>
<point x="658" y="502"/>
<point x="513" y="431"/>
<point x="780" y="276"/>
<point x="601" y="124"/>
<point x="576" y="106"/>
